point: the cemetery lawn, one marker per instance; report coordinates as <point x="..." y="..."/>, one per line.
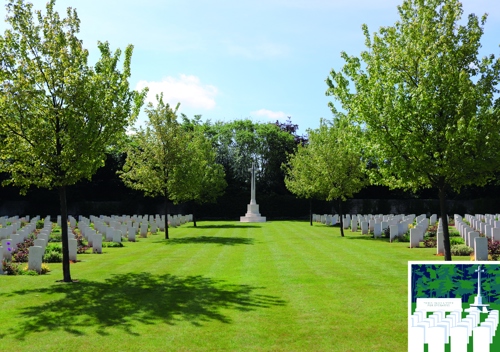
<point x="275" y="286"/>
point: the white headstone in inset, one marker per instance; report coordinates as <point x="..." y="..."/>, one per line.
<point x="377" y="230"/>
<point x="416" y="338"/>
<point x="72" y="246"/>
<point x="97" y="243"/>
<point x="459" y="337"/>
<point x="481" y="337"/>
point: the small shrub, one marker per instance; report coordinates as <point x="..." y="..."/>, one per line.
<point x="494" y="249"/>
<point x="461" y="250"/>
<point x="386" y="233"/>
<point x="52" y="257"/>
<point x="112" y="244"/>
<point x="55" y="237"/>
<point x="430" y="242"/>
<point x="20" y="254"/>
<point x="456" y="240"/>
<point x="40" y="224"/>
<point x="403" y="238"/>
<point x="28" y="272"/>
<point x="45" y="269"/>
<point x="51" y="246"/>
<point x="11" y="268"/>
<point x="82" y="245"/>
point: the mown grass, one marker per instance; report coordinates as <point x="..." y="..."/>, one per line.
<point x="277" y="286"/>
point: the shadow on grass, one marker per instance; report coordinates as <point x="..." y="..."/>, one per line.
<point x="125" y="300"/>
<point x="225" y="226"/>
<point x="366" y="237"/>
<point x="223" y="241"/>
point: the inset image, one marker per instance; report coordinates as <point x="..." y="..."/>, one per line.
<point x="453" y="306"/>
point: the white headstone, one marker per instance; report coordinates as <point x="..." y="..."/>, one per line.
<point x="97" y="243"/>
<point x="144" y="230"/>
<point x="415" y="236"/>
<point x="117" y="236"/>
<point x="364" y="227"/>
<point x="8" y="247"/>
<point x="481" y="248"/>
<point x="72" y="246"/>
<point x="394" y="231"/>
<point x="35" y="257"/>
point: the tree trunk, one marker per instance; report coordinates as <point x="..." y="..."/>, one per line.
<point x="64" y="234"/>
<point x="310" y="212"/>
<point x="444" y="221"/>
<point x="194" y="214"/>
<point x="340" y="218"/>
<point x="166" y="217"/>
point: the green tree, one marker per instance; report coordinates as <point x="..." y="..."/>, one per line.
<point x="243" y="142"/>
<point x="426" y="101"/>
<point x="165" y="159"/>
<point x="207" y="174"/>
<point x="58" y="114"/>
<point x="329" y="167"/>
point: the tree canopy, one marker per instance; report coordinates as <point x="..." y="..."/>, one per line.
<point x="329" y="167"/>
<point x="426" y="100"/>
<point x="58" y="114"/>
<point x="166" y="159"/>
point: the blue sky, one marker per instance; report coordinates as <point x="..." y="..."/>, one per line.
<point x="258" y="59"/>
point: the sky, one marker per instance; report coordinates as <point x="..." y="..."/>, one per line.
<point x="266" y="60"/>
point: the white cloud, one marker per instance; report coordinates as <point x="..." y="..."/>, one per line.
<point x="187" y="89"/>
<point x="269" y="114"/>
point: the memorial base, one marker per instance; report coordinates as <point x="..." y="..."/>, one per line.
<point x="478" y="306"/>
<point x="252" y="214"/>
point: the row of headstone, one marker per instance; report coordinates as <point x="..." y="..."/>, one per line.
<point x="472" y="237"/>
<point x="440" y="329"/>
<point x="35" y="253"/>
<point x="397" y="224"/>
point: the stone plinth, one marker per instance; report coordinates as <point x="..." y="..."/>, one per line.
<point x="252" y="214"/>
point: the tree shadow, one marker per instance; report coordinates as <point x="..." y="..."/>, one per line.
<point x="125" y="300"/>
<point x="225" y="226"/>
<point x="367" y="237"/>
<point x="222" y="241"/>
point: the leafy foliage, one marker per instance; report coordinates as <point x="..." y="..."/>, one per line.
<point x="58" y="113"/>
<point x="426" y="101"/>
<point x="494" y="249"/>
<point x="461" y="249"/>
<point x="328" y="167"/>
<point x="167" y="160"/>
<point x="20" y="254"/>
